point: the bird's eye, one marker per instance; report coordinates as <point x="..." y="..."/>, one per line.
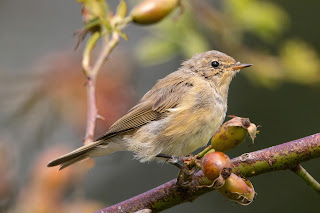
<point x="214" y="64"/>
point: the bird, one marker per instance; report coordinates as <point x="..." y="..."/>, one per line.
<point x="176" y="117"/>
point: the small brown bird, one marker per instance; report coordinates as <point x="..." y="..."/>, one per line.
<point x="176" y="117"/>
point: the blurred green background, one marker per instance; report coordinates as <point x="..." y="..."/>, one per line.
<point x="43" y="103"/>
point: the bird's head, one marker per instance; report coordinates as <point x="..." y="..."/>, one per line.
<point x="215" y="66"/>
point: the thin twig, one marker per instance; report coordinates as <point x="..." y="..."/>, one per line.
<point x="92" y="110"/>
<point x="205" y="151"/>
<point x="280" y="157"/>
<point x="87" y="52"/>
<point x="301" y="172"/>
<point x="108" y="47"/>
<point x="91" y="74"/>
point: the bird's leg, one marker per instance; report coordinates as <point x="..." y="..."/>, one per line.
<point x="176" y="161"/>
<point x="185" y="174"/>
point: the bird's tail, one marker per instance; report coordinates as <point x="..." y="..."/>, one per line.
<point x="74" y="156"/>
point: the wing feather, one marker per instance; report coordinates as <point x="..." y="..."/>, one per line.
<point x="141" y="115"/>
<point x="153" y="106"/>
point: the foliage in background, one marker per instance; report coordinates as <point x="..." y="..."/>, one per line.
<point x="252" y="31"/>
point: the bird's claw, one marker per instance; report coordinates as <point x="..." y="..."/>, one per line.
<point x="185" y="175"/>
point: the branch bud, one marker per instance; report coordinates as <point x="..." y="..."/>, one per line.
<point x="232" y="133"/>
<point x="152" y="11"/>
<point x="238" y="190"/>
<point x="216" y="166"/>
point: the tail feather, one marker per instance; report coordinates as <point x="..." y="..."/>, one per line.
<point x="74" y="156"/>
<point x="72" y="161"/>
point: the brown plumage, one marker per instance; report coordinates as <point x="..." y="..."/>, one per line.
<point x="177" y="116"/>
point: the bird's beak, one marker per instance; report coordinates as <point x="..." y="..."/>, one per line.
<point x="239" y="66"/>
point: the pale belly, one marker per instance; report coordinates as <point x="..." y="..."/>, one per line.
<point x="195" y="133"/>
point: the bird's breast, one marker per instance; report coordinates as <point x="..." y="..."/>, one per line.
<point x="190" y="126"/>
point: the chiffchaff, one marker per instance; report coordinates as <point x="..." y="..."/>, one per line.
<point x="176" y="117"/>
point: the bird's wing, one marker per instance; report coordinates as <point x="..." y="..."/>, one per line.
<point x="153" y="106"/>
<point x="139" y="116"/>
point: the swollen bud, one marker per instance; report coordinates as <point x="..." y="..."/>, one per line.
<point x="152" y="11"/>
<point x="216" y="166"/>
<point x="232" y="133"/>
<point x="238" y="190"/>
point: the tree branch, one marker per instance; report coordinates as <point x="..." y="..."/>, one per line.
<point x="280" y="157"/>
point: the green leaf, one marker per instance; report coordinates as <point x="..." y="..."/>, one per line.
<point x="123" y="35"/>
<point x="93" y="23"/>
<point x="122" y="9"/>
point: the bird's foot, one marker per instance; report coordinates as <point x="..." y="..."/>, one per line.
<point x="186" y="166"/>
